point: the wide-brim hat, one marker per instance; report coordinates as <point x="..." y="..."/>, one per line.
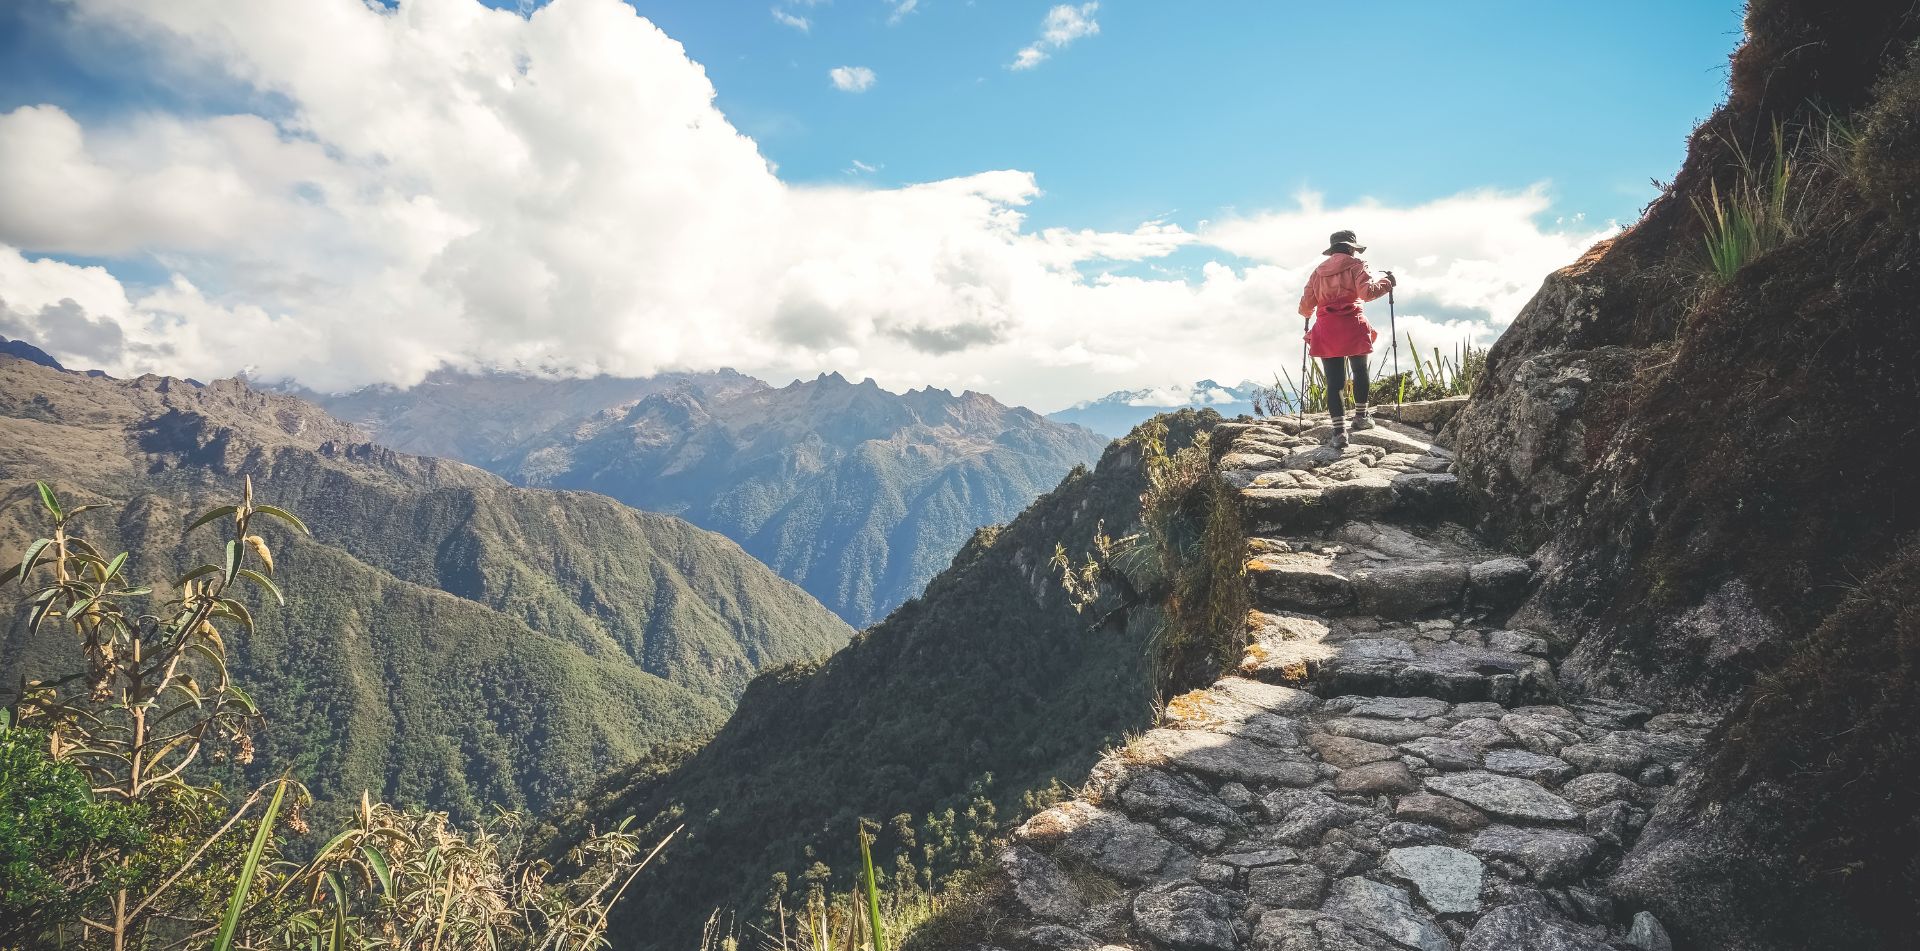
<point x="1344" y="242"/>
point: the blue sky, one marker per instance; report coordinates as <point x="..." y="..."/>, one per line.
<point x="345" y="194"/>
<point x="1195" y="108"/>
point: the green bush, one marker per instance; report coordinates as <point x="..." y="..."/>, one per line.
<point x="51" y="830"/>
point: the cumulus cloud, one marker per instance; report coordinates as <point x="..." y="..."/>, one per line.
<point x="851" y="78"/>
<point x="442" y="184"/>
<point x="1064" y="24"/>
<point x="794" y="20"/>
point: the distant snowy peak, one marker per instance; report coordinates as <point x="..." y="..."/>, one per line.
<point x="1116" y="413"/>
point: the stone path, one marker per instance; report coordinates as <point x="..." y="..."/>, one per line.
<point x="1389" y="769"/>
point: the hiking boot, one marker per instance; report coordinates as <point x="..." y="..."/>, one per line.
<point x="1361" y="418"/>
<point x="1338" y="438"/>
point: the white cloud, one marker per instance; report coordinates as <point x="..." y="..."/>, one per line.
<point x="901" y="8"/>
<point x="445" y="188"/>
<point x="1064" y="24"/>
<point x="792" y="19"/>
<point x="851" y="78"/>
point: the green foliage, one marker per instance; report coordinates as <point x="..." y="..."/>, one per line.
<point x="52" y="831"/>
<point x="106" y="841"/>
<point x="1753" y="217"/>
<point x="1194" y="522"/>
<point x="1432" y="376"/>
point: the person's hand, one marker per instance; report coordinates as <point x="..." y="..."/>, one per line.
<point x="1391" y="280"/>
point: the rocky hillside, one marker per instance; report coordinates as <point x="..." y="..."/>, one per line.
<point x="990" y="684"/>
<point x="449" y="640"/>
<point x="1717" y="478"/>
<point x="858" y="495"/>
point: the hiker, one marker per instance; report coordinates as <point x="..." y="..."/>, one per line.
<point x="1340" y="335"/>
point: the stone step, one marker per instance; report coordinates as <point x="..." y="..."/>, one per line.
<point x="1385" y="571"/>
<point x="1432" y="659"/>
<point x="1407" y="496"/>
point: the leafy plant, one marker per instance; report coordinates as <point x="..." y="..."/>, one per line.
<point x="144" y="857"/>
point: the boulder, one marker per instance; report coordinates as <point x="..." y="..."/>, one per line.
<point x="1387" y="910"/>
<point x="1407" y="590"/>
<point x="1186" y="915"/>
<point x="1551" y="856"/>
<point x="1527" y="927"/>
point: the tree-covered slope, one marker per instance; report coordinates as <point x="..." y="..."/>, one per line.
<point x="990" y="673"/>
<point x="448" y="639"/>
<point x="857" y="494"/>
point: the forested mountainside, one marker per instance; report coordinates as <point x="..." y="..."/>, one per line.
<point x="449" y="640"/>
<point x="488" y="418"/>
<point x="1717" y="470"/>
<point x="989" y="686"/>
<point x="857" y="494"/>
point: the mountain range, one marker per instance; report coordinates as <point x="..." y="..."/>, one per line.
<point x="857" y="494"/>
<point x="449" y="639"/>
<point x="1118" y="412"/>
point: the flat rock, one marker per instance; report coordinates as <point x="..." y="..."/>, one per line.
<point x="1400" y="708"/>
<point x="1499" y="582"/>
<point x="1186" y="915"/>
<point x="1303" y="816"/>
<point x="1295" y="930"/>
<point x="1506" y="796"/>
<point x="1541" y="733"/>
<point x="1611" y="755"/>
<point x="1378" y="731"/>
<point x="1387" y="910"/>
<point x="1058" y="938"/>
<point x="1528" y="765"/>
<point x="1439" y="811"/>
<point x="1153" y="794"/>
<point x="1040" y="886"/>
<point x="1444" y="754"/>
<point x="1120" y="847"/>
<point x="1400" y="591"/>
<point x="1527" y="927"/>
<point x="1551" y="856"/>
<point x="1371" y="779"/>
<point x="1598" y="789"/>
<point x="1346" y="751"/>
<point x="1447" y="879"/>
<point x="1226" y="757"/>
<point x="1287" y="886"/>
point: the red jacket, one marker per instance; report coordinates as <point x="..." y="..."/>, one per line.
<point x="1334" y="293"/>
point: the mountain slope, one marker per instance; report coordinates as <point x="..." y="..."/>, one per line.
<point x="858" y="495"/>
<point x="990" y="673"/>
<point x="449" y="640"/>
<point x="1116" y="413"/>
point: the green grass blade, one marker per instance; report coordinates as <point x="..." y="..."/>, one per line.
<point x="231" y="921"/>
<point x="873" y="895"/>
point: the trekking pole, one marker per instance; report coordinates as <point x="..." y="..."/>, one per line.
<point x="1300" y="390"/>
<point x="1393" y="327"/>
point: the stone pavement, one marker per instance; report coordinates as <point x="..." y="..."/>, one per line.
<point x="1388" y="769"/>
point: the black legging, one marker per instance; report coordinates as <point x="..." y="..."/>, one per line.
<point x="1336" y="370"/>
